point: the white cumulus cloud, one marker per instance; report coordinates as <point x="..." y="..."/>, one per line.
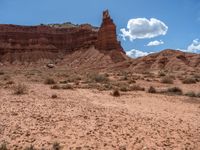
<point x="155" y="43"/>
<point x="195" y="46"/>
<point x="142" y="28"/>
<point x="137" y="53"/>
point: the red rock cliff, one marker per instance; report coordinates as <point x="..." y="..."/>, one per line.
<point x="107" y="37"/>
<point x="22" y="43"/>
<point x="34" y="43"/>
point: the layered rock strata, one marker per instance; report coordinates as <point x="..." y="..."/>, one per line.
<point x="34" y="43"/>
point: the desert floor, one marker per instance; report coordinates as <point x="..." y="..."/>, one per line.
<point x="93" y="119"/>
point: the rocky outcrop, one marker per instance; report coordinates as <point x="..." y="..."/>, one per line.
<point x="169" y="60"/>
<point x="107" y="37"/>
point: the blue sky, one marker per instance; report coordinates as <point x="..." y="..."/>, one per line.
<point x="181" y="17"/>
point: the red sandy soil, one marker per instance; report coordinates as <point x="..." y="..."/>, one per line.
<point x="90" y="119"/>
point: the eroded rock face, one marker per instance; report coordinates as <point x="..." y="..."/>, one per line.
<point x="107" y="37"/>
<point x="21" y="43"/>
<point x="45" y="42"/>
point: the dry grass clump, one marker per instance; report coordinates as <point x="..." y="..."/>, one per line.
<point x="55" y="87"/>
<point x="67" y="86"/>
<point x="151" y="89"/>
<point x="2" y="73"/>
<point x="161" y="73"/>
<point x="191" y="94"/>
<point x="99" y="78"/>
<point x="175" y="90"/>
<point x="10" y="82"/>
<point x="20" y="89"/>
<point x="6" y="77"/>
<point x="58" y="87"/>
<point x="198" y="95"/>
<point x="136" y="88"/>
<point x="53" y="96"/>
<point x="124" y="88"/>
<point x="49" y="81"/>
<point x="63" y="82"/>
<point x="3" y="146"/>
<point x="197" y="77"/>
<point x="116" y="93"/>
<point x="189" y="81"/>
<point x="73" y="78"/>
<point x="131" y="81"/>
<point x="56" y="146"/>
<point x="167" y="80"/>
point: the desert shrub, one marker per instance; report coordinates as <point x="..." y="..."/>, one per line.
<point x="189" y="81"/>
<point x="6" y="77"/>
<point x="136" y="88"/>
<point x="55" y="87"/>
<point x="73" y="78"/>
<point x="167" y="80"/>
<point x="98" y="78"/>
<point x="124" y="77"/>
<point x="104" y="87"/>
<point x="10" y="82"/>
<point x="2" y="73"/>
<point x="49" y="81"/>
<point x="63" y="82"/>
<point x="124" y="89"/>
<point x="196" y="76"/>
<point x="77" y="82"/>
<point x="54" y="96"/>
<point x="3" y="146"/>
<point x="20" y="89"/>
<point x="162" y="73"/>
<point x="67" y="86"/>
<point x="175" y="90"/>
<point x="116" y="93"/>
<point x="190" y="94"/>
<point x="106" y="75"/>
<point x="131" y="81"/>
<point x="151" y="89"/>
<point x="198" y="94"/>
<point x="56" y="146"/>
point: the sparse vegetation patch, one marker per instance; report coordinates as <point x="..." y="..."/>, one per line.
<point x="20" y="89"/>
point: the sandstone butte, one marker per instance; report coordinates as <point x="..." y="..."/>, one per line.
<point x="33" y="43"/>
